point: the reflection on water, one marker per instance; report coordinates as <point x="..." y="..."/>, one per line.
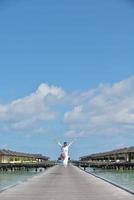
<point x="123" y="178"/>
<point x="8" y="179"/>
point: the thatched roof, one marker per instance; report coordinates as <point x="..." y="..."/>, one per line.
<point x="110" y="153"/>
<point x="21" y="154"/>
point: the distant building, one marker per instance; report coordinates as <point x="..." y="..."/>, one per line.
<point x="117" y="155"/>
<point x="8" y="156"/>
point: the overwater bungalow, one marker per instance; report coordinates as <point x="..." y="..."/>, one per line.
<point x="8" y="156"/>
<point x="118" y="156"/>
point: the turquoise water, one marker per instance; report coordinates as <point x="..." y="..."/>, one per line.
<point x="8" y="179"/>
<point x="122" y="178"/>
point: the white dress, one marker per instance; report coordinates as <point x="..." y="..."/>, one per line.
<point x="64" y="150"/>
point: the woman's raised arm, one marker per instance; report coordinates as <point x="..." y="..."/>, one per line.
<point x="59" y="144"/>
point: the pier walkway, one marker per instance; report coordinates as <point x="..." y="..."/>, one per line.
<point x="59" y="183"/>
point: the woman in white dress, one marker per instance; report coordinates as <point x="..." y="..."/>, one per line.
<point x="64" y="152"/>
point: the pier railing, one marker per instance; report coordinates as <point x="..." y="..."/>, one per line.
<point x="25" y="166"/>
<point x="104" y="165"/>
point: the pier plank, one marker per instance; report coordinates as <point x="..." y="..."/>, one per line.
<point x="59" y="183"/>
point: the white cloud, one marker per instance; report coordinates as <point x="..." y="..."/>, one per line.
<point x="4" y="146"/>
<point x="107" y="109"/>
<point x="75" y="114"/>
<point x="36" y="107"/>
<point x="74" y="134"/>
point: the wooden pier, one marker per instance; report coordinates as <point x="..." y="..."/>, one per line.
<point x="70" y="183"/>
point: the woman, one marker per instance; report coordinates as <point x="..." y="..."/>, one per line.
<point x="64" y="152"/>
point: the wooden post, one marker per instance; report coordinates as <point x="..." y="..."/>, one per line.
<point x="128" y="157"/>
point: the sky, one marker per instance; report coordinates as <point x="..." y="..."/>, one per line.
<point x="66" y="73"/>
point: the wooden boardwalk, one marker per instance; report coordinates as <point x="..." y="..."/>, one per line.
<point x="59" y="183"/>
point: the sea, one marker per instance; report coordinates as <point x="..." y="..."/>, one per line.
<point x="9" y="179"/>
<point x="122" y="178"/>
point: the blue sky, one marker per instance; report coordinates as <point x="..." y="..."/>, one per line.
<point x="83" y="51"/>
